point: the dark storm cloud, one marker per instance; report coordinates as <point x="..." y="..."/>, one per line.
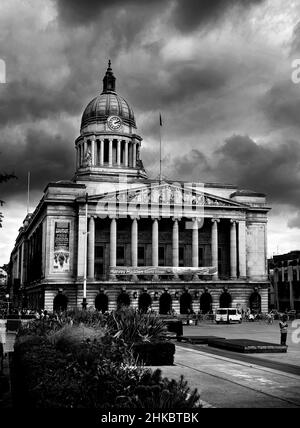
<point x="281" y="104"/>
<point x="271" y="169"/>
<point x="180" y="83"/>
<point x="47" y="157"/>
<point x="27" y="100"/>
<point x="74" y="12"/>
<point x="294" y="222"/>
<point x="192" y="166"/>
<point x="190" y="14"/>
<point x="187" y="14"/>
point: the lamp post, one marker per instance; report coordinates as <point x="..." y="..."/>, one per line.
<point x="84" y="303"/>
<point x="7" y="298"/>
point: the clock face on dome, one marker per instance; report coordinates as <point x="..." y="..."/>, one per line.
<point x="114" y="122"/>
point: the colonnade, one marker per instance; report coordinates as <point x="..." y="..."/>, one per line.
<point x="237" y="245"/>
<point x="108" y="151"/>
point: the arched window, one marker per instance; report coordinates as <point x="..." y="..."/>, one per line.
<point x="145" y="301"/>
<point x="123" y="300"/>
<point x="186" y="303"/>
<point x="225" y="300"/>
<point x="60" y="302"/>
<point x="101" y="302"/>
<point x="205" y="302"/>
<point x="165" y="303"/>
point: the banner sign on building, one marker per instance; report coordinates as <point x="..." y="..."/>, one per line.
<point x="62" y="246"/>
<point x="162" y="270"/>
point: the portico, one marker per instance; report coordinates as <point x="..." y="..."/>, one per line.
<point x="187" y="241"/>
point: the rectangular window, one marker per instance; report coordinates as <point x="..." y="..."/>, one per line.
<point x="181" y="256"/>
<point x="141" y="256"/>
<point x="161" y="256"/>
<point x="98" y="252"/>
<point x="200" y="256"/>
<point x="120" y="255"/>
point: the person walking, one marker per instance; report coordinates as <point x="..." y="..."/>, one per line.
<point x="283" y="325"/>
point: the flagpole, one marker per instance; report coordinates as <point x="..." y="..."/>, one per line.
<point x="160" y="125"/>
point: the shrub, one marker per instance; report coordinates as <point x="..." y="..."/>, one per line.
<point x="40" y="327"/>
<point x="70" y="336"/>
<point x="155" y="392"/>
<point x="134" y="326"/>
<point x="87" y="317"/>
<point x="49" y="378"/>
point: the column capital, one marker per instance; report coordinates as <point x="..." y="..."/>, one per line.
<point x="113" y="217"/>
<point x="215" y="220"/>
<point x="92" y="137"/>
<point x="176" y="218"/>
<point x="135" y="217"/>
<point x="233" y="221"/>
<point x="155" y="218"/>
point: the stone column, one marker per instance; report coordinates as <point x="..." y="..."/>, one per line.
<point x="233" y="258"/>
<point x="134" y="242"/>
<point x="175" y="243"/>
<point x="214" y="245"/>
<point x="242" y="248"/>
<point x="195" y="244"/>
<point x="85" y="146"/>
<point x="126" y="153"/>
<point x="134" y="155"/>
<point x="113" y="242"/>
<point x="119" y="153"/>
<point x="195" y="247"/>
<point x="93" y="142"/>
<point x="81" y="245"/>
<point x="110" y="152"/>
<point x="155" y="242"/>
<point x="101" y="151"/>
<point x="91" y="248"/>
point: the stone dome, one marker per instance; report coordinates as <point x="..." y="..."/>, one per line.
<point x="108" y="103"/>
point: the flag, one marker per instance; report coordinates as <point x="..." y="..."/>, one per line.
<point x="160" y="121"/>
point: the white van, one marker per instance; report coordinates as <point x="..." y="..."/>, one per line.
<point x="228" y="315"/>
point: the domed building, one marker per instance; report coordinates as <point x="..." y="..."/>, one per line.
<point x="112" y="236"/>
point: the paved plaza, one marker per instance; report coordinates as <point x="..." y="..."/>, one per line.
<point x="233" y="380"/>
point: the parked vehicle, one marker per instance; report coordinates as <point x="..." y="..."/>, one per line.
<point x="228" y="315"/>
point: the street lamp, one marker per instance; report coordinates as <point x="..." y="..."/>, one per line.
<point x="7" y="298"/>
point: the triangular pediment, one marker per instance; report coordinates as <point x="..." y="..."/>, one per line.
<point x="165" y="193"/>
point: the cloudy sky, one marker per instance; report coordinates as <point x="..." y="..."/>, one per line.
<point x="218" y="70"/>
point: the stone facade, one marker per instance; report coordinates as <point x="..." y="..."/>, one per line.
<point x="167" y="236"/>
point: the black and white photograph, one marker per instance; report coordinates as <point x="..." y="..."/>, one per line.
<point x="149" y="209"/>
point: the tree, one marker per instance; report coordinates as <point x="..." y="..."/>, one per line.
<point x="3" y="179"/>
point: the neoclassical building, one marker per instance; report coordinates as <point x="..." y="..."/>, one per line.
<point x="112" y="235"/>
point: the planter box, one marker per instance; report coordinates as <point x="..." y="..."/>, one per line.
<point x="155" y="354"/>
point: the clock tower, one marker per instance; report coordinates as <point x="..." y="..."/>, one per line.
<point x="108" y="145"/>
